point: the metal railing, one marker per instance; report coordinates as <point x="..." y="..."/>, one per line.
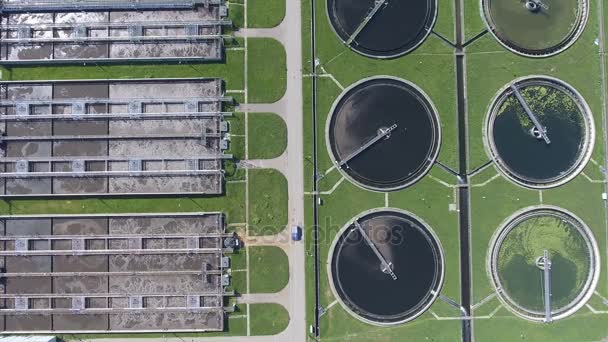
<point x="12" y="6"/>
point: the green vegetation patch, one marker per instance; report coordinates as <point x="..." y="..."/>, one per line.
<point x="267" y="136"/>
<point x="237" y="123"/>
<point x="540" y="30"/>
<point x="525" y="243"/>
<point x="232" y="172"/>
<point x="238" y="259"/>
<point x="268" y="319"/>
<point x="267" y="202"/>
<point x="238" y="282"/>
<point x="267" y="70"/>
<point x="237" y="13"/>
<point x="269" y="269"/>
<point x="265" y="13"/>
<point x="232" y="204"/>
<point x="544" y="102"/>
<point x="231" y="71"/>
<point x="237" y="147"/>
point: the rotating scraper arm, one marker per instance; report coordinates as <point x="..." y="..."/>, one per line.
<point x="547" y="286"/>
<point x="386" y="266"/>
<point x="366" y="20"/>
<point x="542" y="130"/>
<point x="381" y="134"/>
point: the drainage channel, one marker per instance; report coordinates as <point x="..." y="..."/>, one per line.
<point x="463" y="190"/>
<point x="315" y="195"/>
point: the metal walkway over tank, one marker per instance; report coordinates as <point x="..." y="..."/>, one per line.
<point x="19" y="6"/>
<point x="114" y="137"/>
<point x="122" y="268"/>
<point x="366" y="20"/>
<point x="382" y="133"/>
<point x="111" y="31"/>
<point x="35" y="167"/>
<point x="387" y="267"/>
<point x="545" y="265"/>
<point x="539" y="128"/>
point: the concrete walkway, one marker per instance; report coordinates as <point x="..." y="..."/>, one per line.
<point x="281" y="297"/>
<point x="282" y="240"/>
<point x="278" y="107"/>
<point x="279" y="163"/>
<point x="278" y="32"/>
<point x="291" y="164"/>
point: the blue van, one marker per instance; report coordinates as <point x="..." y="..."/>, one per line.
<point x="296" y="233"/>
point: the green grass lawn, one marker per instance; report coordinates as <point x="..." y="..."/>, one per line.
<point x="237" y="123"/>
<point x="431" y="67"/>
<point x="237" y="147"/>
<point x="267" y="70"/>
<point x="237" y="137"/>
<point x="490" y="67"/>
<point x="238" y="259"/>
<point x="268" y="319"/>
<point x="268" y="202"/>
<point x="269" y="269"/>
<point x="267" y="135"/>
<point x="232" y="204"/>
<point x="238" y="282"/>
<point x="231" y="71"/>
<point x="265" y="13"/>
<point x="237" y="13"/>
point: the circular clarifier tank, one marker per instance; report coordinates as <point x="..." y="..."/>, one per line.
<point x="383" y="133"/>
<point x="386" y="267"/>
<point x="382" y="28"/>
<point x="536" y="28"/>
<point x="529" y="242"/>
<point x="549" y="152"/>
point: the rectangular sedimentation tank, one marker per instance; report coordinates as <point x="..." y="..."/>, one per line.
<point x="112" y="273"/>
<point x="112" y="137"/>
<point x="34" y="34"/>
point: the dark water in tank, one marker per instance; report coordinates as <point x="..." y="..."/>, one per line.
<point x="532" y="159"/>
<point x="371" y="106"/>
<point x="362" y="285"/>
<point x="396" y="28"/>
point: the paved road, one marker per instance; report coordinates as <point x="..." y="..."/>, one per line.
<point x="278" y="163"/>
<point x="292" y="40"/>
<point x="290" y="108"/>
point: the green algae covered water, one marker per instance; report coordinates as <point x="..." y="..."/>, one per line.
<point x="522" y="279"/>
<point x="547" y="28"/>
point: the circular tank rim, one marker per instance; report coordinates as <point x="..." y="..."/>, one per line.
<point x="579" y="31"/>
<point x="424" y="37"/>
<point x="373" y="188"/>
<point x="423" y="308"/>
<point x="488" y="135"/>
<point x="492" y="255"/>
